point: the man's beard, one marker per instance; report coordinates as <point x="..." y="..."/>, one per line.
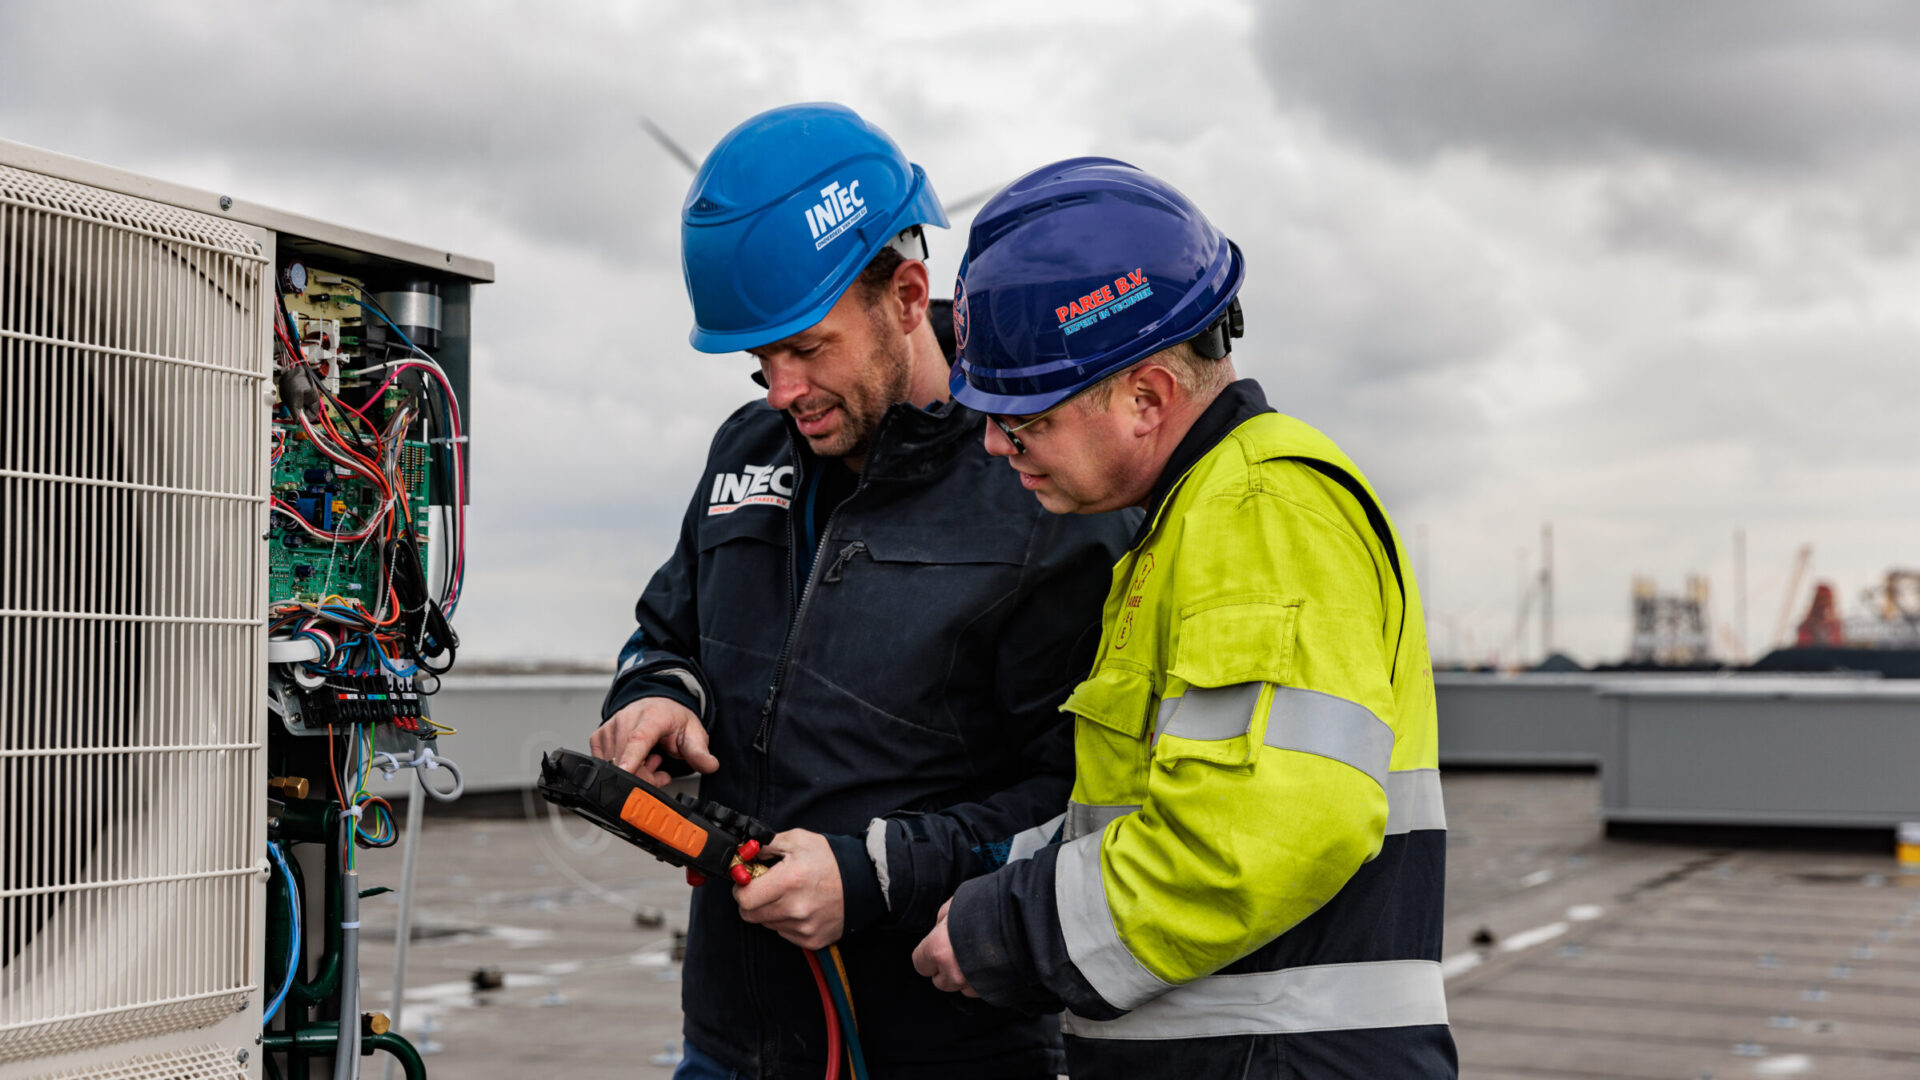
<point x="889" y="380"/>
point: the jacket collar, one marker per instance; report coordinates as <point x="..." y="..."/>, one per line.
<point x="1240" y="402"/>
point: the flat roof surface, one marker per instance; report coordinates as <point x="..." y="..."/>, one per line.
<point x="1599" y="958"/>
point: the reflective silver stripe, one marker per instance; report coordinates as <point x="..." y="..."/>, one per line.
<point x="1164" y="713"/>
<point x="1332" y="727"/>
<point x="1032" y="840"/>
<point x="1086" y="922"/>
<point x="1202" y="713"/>
<point x="1087" y="819"/>
<point x="1327" y="997"/>
<point x="877" y="855"/>
<point x="1413" y="801"/>
<point x="693" y="687"/>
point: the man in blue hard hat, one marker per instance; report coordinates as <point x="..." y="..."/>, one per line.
<point x="1252" y="871"/>
<point x="866" y="628"/>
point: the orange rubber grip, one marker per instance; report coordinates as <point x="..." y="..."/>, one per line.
<point x="658" y="820"/>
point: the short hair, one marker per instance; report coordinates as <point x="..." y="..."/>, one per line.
<point x="878" y="275"/>
<point x="1198" y="377"/>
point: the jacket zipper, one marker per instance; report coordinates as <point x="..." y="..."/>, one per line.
<point x="760" y="735"/>
<point x="841" y="560"/>
<point x="764" y="730"/>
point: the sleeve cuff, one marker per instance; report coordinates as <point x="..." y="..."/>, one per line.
<point x="985" y="928"/>
<point x="639" y="686"/>
<point x="861" y="899"/>
<point x="632" y="688"/>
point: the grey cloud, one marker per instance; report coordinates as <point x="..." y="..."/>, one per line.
<point x="1767" y="83"/>
<point x="553" y="148"/>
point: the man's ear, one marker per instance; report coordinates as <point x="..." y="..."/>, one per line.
<point x="912" y="291"/>
<point x="1149" y="391"/>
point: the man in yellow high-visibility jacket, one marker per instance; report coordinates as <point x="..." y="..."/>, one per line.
<point x="1253" y="865"/>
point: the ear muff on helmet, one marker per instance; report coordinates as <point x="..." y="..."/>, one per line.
<point x="1214" y="342"/>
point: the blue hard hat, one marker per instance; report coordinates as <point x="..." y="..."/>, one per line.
<point x="784" y="214"/>
<point x="1075" y="271"/>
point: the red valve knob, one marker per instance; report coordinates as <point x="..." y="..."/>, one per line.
<point x="741" y="875"/>
<point x="749" y="851"/>
<point x="695" y="877"/>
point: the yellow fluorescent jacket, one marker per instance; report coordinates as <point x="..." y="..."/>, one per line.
<point x="1260" y="718"/>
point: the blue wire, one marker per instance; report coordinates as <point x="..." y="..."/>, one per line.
<point x="387" y="661"/>
<point x="404" y="340"/>
<point x="842" y="1005"/>
<point x="293" y="947"/>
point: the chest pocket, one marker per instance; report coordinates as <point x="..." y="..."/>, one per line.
<point x="898" y="615"/>
<point x="1115" y="698"/>
<point x="1115" y="708"/>
<point x="765" y="524"/>
<point x="742" y="580"/>
<point x="973" y="543"/>
<point x="927" y="574"/>
<point x="1227" y="653"/>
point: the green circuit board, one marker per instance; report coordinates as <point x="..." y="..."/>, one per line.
<point x="306" y="568"/>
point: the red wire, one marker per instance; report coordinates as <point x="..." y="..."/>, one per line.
<point x="833" y="1018"/>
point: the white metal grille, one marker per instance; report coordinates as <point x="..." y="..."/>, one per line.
<point x="199" y="1063"/>
<point x="133" y="362"/>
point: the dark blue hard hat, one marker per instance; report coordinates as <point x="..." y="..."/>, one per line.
<point x="784" y="214"/>
<point x="1075" y="271"/>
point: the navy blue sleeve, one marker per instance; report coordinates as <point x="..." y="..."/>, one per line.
<point x="861" y="902"/>
<point x="1005" y="932"/>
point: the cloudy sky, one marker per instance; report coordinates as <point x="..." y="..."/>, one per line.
<point x="1646" y="271"/>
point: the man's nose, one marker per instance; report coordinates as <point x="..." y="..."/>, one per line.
<point x="997" y="442"/>
<point x="785" y="384"/>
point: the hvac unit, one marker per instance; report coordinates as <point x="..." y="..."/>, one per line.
<point x="177" y="604"/>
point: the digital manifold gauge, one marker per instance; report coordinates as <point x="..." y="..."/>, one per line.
<point x="708" y="839"/>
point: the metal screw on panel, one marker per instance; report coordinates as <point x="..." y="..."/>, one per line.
<point x="241" y="1057"/>
<point x="226" y="202"/>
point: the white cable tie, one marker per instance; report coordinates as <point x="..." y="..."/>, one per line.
<point x="355" y="812"/>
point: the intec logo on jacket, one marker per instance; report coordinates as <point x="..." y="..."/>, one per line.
<point x="760" y="485"/>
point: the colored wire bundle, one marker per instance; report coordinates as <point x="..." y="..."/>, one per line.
<point x="419" y="359"/>
<point x="836" y="1003"/>
<point x="828" y="1007"/>
<point x="401" y="630"/>
<point x="842" y="992"/>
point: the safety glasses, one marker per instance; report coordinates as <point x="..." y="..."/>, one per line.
<point x="1009" y="429"/>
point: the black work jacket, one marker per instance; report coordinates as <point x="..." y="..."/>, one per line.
<point x="914" y="676"/>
